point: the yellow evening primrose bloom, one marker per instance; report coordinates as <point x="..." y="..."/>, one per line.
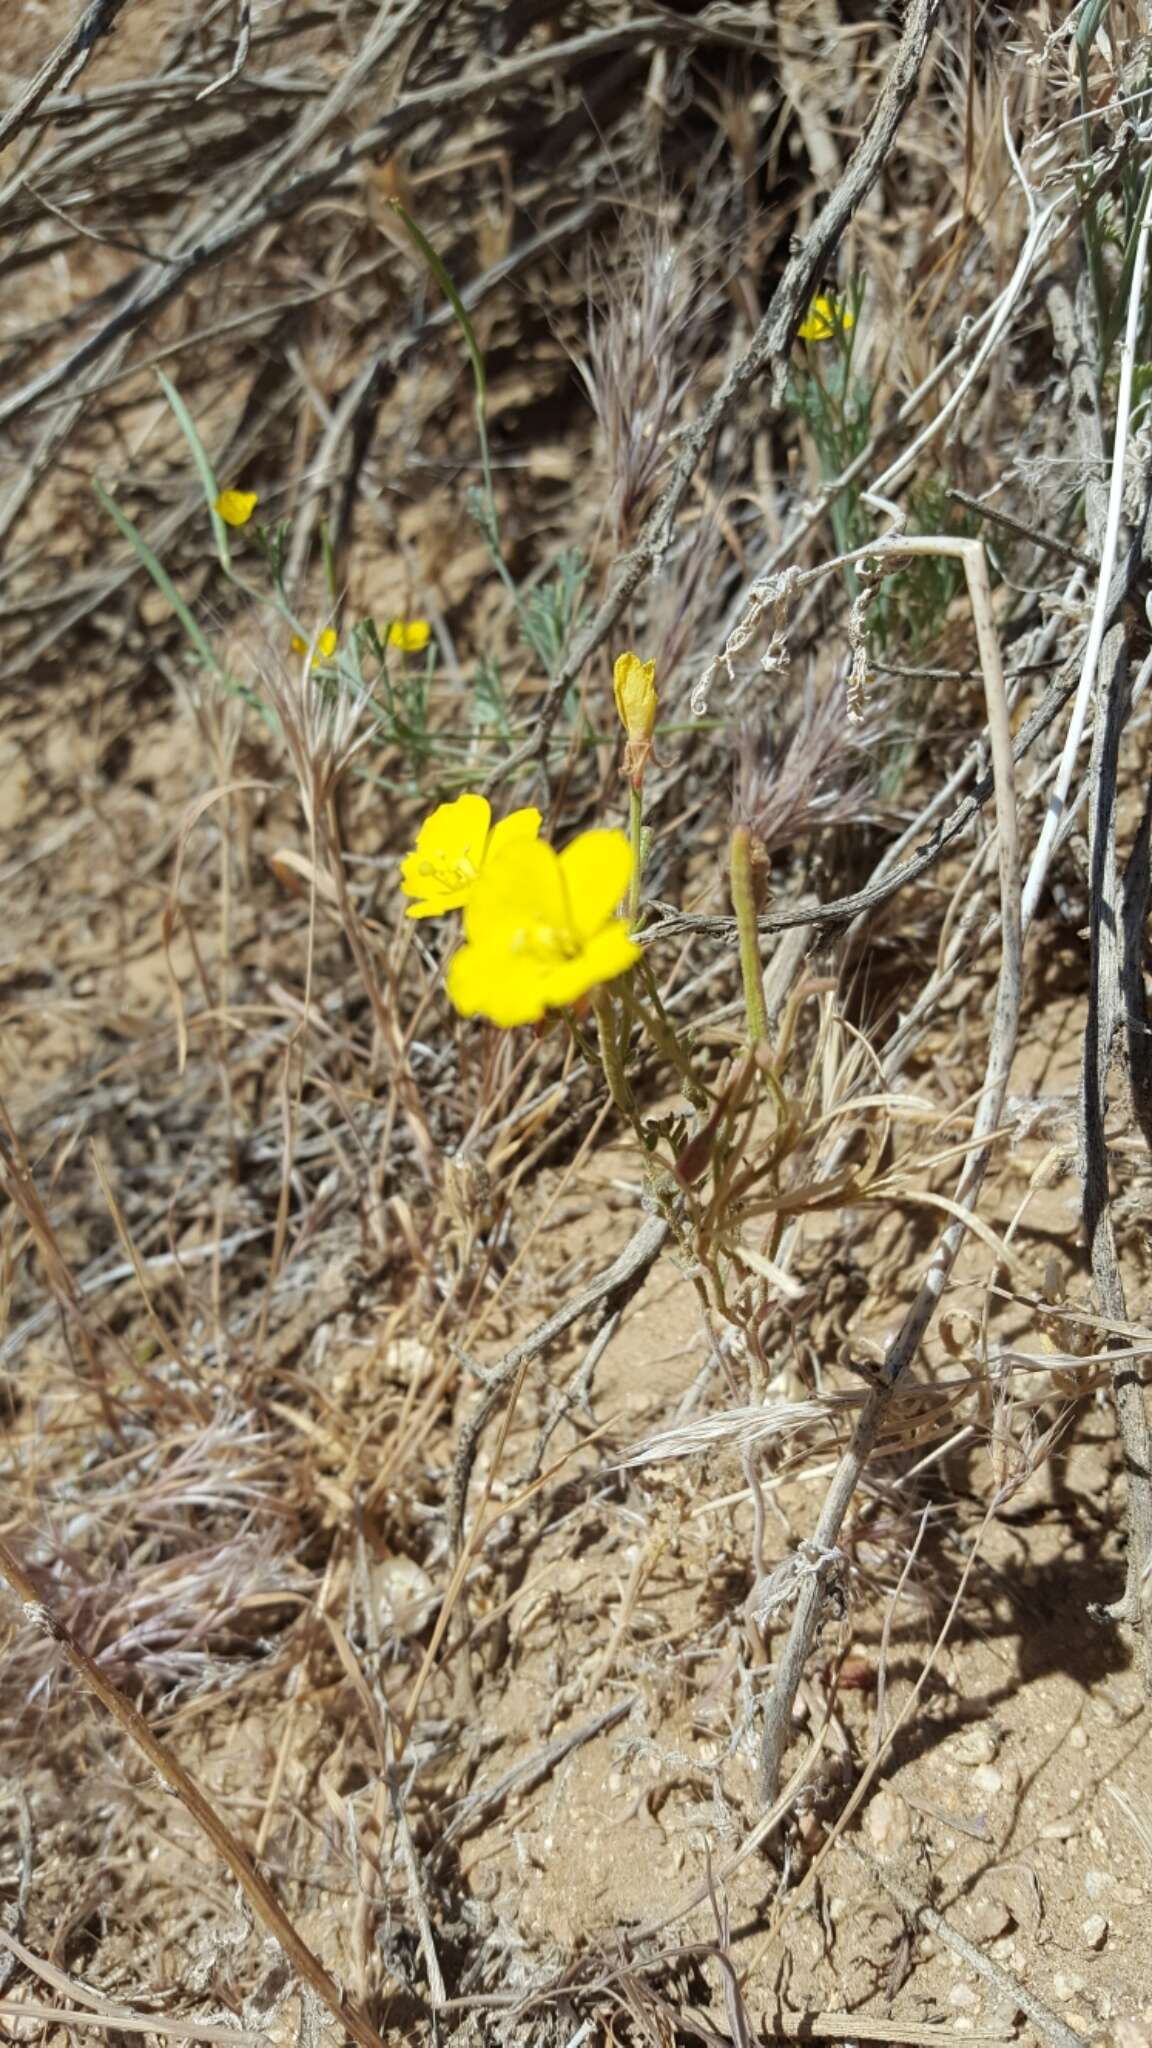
<point x="542" y="929"/>
<point x="236" y="507"/>
<point x="825" y="319"/>
<point x="635" y="686"/>
<point x="453" y="846"/>
<point x="327" y="642"/>
<point x="411" y="636"/>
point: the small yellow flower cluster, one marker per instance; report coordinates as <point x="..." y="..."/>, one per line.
<point x="825" y="319"/>
<point x="410" y="635"/>
<point x="541" y="928"/>
<point x="327" y="641"/>
<point x="236" y="507"/>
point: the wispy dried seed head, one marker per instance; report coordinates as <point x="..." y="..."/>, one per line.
<point x="791" y="782"/>
<point x="638" y="367"/>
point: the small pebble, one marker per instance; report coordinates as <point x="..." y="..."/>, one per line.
<point x="964" y="1995"/>
<point x="888" y="1823"/>
<point x="988" y="1919"/>
<point x="1078" y="1737"/>
<point x="1066" y="1984"/>
<point x="1129" y="1895"/>
<point x="1095" y="1930"/>
<point x="1060" y="1830"/>
<point x="977" y="1745"/>
<point x="1097" y="1883"/>
<point x="988" y="1778"/>
<point x="1102" y="1710"/>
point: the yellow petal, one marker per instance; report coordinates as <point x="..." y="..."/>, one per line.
<point x="519" y="899"/>
<point x="236" y="507"/>
<point x="457" y="831"/>
<point x="486" y="981"/>
<point x="634" y="685"/>
<point x="610" y="953"/>
<point x="517" y="826"/>
<point x="411" y="636"/>
<point x="597" y="868"/>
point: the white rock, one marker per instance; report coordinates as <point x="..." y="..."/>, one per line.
<point x="988" y="1918"/>
<point x="1077" y="1738"/>
<point x="964" y="1995"/>
<point x="988" y="1779"/>
<point x="1098" y="1883"/>
<point x="888" y="1823"/>
<point x="977" y="1745"/>
<point x="1060" y="1830"/>
<point x="1066" y="1984"/>
<point x="1095" y="1930"/>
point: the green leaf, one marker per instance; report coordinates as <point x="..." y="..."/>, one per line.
<point x="204" y="470"/>
<point x="160" y="578"/>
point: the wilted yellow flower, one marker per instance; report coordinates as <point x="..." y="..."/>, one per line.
<point x="411" y="636"/>
<point x="635" y="686"/>
<point x="327" y="641"/>
<point x="825" y="319"/>
<point x="542" y="929"/>
<point x="453" y="846"/>
<point x="236" y="507"/>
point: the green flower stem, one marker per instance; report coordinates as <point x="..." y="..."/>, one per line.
<point x="635" y="825"/>
<point x="610" y="1058"/>
<point x="744" y="904"/>
<point x="662" y="1035"/>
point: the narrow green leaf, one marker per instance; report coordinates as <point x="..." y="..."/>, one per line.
<point x="204" y="470"/>
<point x="160" y="578"/>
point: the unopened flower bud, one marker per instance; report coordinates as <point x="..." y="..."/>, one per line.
<point x="635" y="686"/>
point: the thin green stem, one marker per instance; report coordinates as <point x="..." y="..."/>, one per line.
<point x="635" y="827"/>
<point x="610" y="1058"/>
<point x="744" y="904"/>
<point x="664" y="1038"/>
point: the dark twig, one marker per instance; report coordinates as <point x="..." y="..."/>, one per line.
<point x="1047" y="541"/>
<point x="66" y="62"/>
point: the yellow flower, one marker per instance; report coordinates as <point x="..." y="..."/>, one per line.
<point x="327" y="642"/>
<point x="452" y="847"/>
<point x="825" y="319"/>
<point x="635" y="686"/>
<point x="542" y="929"/>
<point x="411" y="636"/>
<point x="236" y="507"/>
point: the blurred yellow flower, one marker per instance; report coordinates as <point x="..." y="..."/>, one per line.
<point x="825" y="319"/>
<point x="327" y="641"/>
<point x="411" y="636"/>
<point x="635" y="686"/>
<point x="453" y="846"/>
<point x="236" y="507"/>
<point x="542" y="929"/>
